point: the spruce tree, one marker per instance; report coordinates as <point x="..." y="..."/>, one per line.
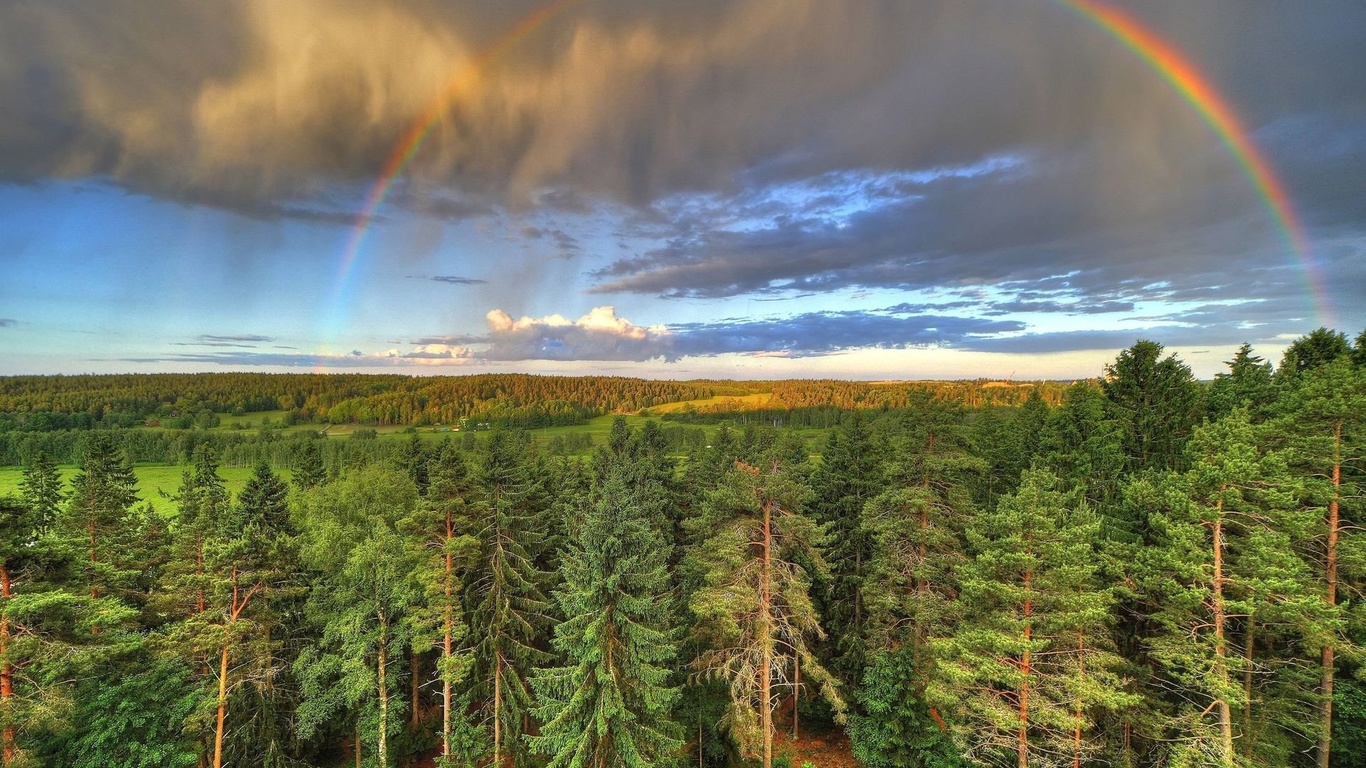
<point x="98" y="518"/>
<point x="610" y="705"/>
<point x="1247" y="384"/>
<point x="509" y="609"/>
<point x="849" y="476"/>
<point x="1156" y="404"/>
<point x="42" y="492"/>
<point x="309" y="470"/>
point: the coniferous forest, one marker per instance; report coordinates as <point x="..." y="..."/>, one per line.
<point x="1145" y="570"/>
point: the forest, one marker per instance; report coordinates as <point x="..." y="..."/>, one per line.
<point x="1143" y="570"/>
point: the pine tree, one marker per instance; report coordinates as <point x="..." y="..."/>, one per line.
<point x="241" y="559"/>
<point x="1030" y="667"/>
<point x="754" y="611"/>
<point x="1222" y="557"/>
<point x="443" y="549"/>
<point x="1325" y="418"/>
<point x="610" y="705"/>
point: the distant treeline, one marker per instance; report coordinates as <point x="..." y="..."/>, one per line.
<point x="183" y="401"/>
<point x="247" y="448"/>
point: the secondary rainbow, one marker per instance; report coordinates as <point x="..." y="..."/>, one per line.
<point x="417" y="134"/>
<point x="1196" y="89"/>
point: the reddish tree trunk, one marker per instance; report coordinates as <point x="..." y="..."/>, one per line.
<point x="1326" y="712"/>
<point x="10" y="751"/>
<point x="1220" y="644"/>
<point x="1022" y="741"/>
<point x="766" y="638"/>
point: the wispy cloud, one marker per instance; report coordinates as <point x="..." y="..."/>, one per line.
<point x="450" y="279"/>
<point x="8" y="322"/>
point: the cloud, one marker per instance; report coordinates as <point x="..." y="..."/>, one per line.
<point x="603" y="335"/>
<point x="449" y="279"/>
<point x="266" y="101"/>
<point x="247" y="337"/>
<point x="8" y="322"/>
<point x="275" y="359"/>
<point x="598" y="335"/>
<point x="820" y="333"/>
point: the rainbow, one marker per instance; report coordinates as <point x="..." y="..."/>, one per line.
<point x="1196" y="89"/>
<point x="1157" y="53"/>
<point x="456" y="87"/>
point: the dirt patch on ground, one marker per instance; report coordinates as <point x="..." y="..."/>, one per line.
<point x="825" y="750"/>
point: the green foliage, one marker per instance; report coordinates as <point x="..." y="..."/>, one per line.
<point x="1317" y="348"/>
<point x="896" y="730"/>
<point x="1031" y="661"/>
<point x="1247" y="384"/>
<point x="754" y="611"/>
<point x="610" y="705"/>
<point x="849" y="476"/>
<point x="1156" y="404"/>
<point x="132" y="721"/>
<point x="359" y="600"/>
<point x="509" y="608"/>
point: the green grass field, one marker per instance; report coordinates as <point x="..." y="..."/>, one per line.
<point x="720" y="402"/>
<point x="154" y="481"/>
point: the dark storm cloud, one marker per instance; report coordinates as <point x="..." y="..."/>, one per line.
<point x="772" y="148"/>
<point x="261" y="100"/>
<point x="1016" y="224"/>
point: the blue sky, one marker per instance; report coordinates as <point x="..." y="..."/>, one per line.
<point x="749" y="189"/>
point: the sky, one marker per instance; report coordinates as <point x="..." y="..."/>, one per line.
<point x="868" y="189"/>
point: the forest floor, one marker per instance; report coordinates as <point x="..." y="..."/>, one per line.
<point x="824" y="750"/>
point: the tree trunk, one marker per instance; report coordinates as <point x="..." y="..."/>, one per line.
<point x="497" y="710"/>
<point x="1247" y="688"/>
<point x="416" y="716"/>
<point x="1022" y="740"/>
<point x="10" y="751"/>
<point x="222" y="707"/>
<point x="1081" y="672"/>
<point x="94" y="585"/>
<point x="1326" y="691"/>
<point x="1220" y="644"/>
<point x="449" y="620"/>
<point x="383" y="684"/>
<point x="766" y="638"/>
<point x="796" y="692"/>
